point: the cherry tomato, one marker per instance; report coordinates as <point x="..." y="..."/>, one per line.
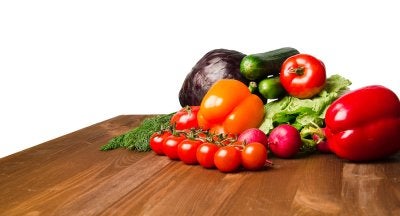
<point x="187" y="151"/>
<point x="254" y="156"/>
<point x="186" y="118"/>
<point x="303" y="75"/>
<point x="170" y="146"/>
<point x="156" y="140"/>
<point x="227" y="159"/>
<point x="205" y="154"/>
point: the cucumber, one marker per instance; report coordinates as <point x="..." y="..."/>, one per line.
<point x="261" y="65"/>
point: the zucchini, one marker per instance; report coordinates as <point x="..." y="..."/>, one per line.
<point x="261" y="65"/>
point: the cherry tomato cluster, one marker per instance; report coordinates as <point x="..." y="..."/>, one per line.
<point x="197" y="146"/>
<point x="184" y="140"/>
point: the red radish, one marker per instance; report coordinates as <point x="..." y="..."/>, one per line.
<point x="284" y="141"/>
<point x="320" y="140"/>
<point x="323" y="147"/>
<point x="253" y="135"/>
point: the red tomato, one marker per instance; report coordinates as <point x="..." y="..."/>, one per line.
<point x="227" y="159"/>
<point x="170" y="146"/>
<point x="303" y="76"/>
<point x="187" y="151"/>
<point x="205" y="154"/>
<point x="254" y="156"/>
<point x="186" y="118"/>
<point x="156" y="141"/>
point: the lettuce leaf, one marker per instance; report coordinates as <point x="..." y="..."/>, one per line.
<point x="303" y="112"/>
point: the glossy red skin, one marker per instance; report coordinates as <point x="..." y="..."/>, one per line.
<point x="254" y="135"/>
<point x="284" y="141"/>
<point x="156" y="141"/>
<point x="185" y="118"/>
<point x="305" y="85"/>
<point x="170" y="146"/>
<point x="205" y="155"/>
<point x="254" y="156"/>
<point x="228" y="159"/>
<point x="187" y="151"/>
<point x="364" y="124"/>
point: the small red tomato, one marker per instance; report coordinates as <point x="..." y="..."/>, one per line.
<point x="303" y="75"/>
<point x="156" y="140"/>
<point x="205" y="154"/>
<point x="227" y="159"/>
<point x="254" y="156"/>
<point x="186" y="118"/>
<point x="170" y="146"/>
<point x="187" y="151"/>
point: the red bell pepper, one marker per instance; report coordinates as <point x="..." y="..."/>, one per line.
<point x="364" y="124"/>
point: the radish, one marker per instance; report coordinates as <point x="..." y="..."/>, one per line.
<point x="253" y="135"/>
<point x="323" y="147"/>
<point x="284" y="141"/>
<point x="320" y="140"/>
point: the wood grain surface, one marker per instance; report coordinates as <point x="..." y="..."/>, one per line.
<point x="70" y="176"/>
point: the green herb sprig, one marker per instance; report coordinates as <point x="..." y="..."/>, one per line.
<point x="137" y="139"/>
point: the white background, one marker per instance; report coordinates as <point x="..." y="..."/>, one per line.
<point x="65" y="65"/>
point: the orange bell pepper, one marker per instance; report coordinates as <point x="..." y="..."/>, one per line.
<point x="229" y="107"/>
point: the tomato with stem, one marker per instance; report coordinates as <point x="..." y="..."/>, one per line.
<point x="303" y="75"/>
<point x="185" y="118"/>
<point x="156" y="141"/>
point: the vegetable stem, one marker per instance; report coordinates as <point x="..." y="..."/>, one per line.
<point x="299" y="70"/>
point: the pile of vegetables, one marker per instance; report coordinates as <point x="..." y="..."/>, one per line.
<point x="240" y="110"/>
<point x="187" y="141"/>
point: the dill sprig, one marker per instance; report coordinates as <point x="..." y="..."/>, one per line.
<point x="137" y="139"/>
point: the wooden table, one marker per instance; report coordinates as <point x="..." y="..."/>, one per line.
<point x="70" y="176"/>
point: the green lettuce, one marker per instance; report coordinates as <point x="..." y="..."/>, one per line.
<point x="302" y="113"/>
